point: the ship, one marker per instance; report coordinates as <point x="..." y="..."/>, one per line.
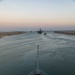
<point x="40" y="31"/>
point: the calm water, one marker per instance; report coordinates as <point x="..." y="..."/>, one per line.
<point x="18" y="54"/>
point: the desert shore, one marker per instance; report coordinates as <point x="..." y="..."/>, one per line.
<point x="4" y="34"/>
<point x="65" y="32"/>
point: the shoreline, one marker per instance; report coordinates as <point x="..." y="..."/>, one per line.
<point x="65" y="32"/>
<point x="4" y="34"/>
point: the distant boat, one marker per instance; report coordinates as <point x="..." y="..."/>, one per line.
<point x="45" y="33"/>
<point x="38" y="71"/>
<point x="40" y="31"/>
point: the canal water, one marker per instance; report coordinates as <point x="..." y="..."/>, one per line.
<point x="18" y="54"/>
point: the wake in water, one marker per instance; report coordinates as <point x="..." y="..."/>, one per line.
<point x="38" y="71"/>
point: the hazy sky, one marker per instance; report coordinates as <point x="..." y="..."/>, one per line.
<point x="34" y="14"/>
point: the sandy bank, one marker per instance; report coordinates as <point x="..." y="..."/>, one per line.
<point x="65" y="32"/>
<point x="3" y="34"/>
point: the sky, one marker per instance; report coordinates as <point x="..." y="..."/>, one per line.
<point x="35" y="14"/>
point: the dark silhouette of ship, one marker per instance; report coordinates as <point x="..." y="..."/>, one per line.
<point x="40" y="31"/>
